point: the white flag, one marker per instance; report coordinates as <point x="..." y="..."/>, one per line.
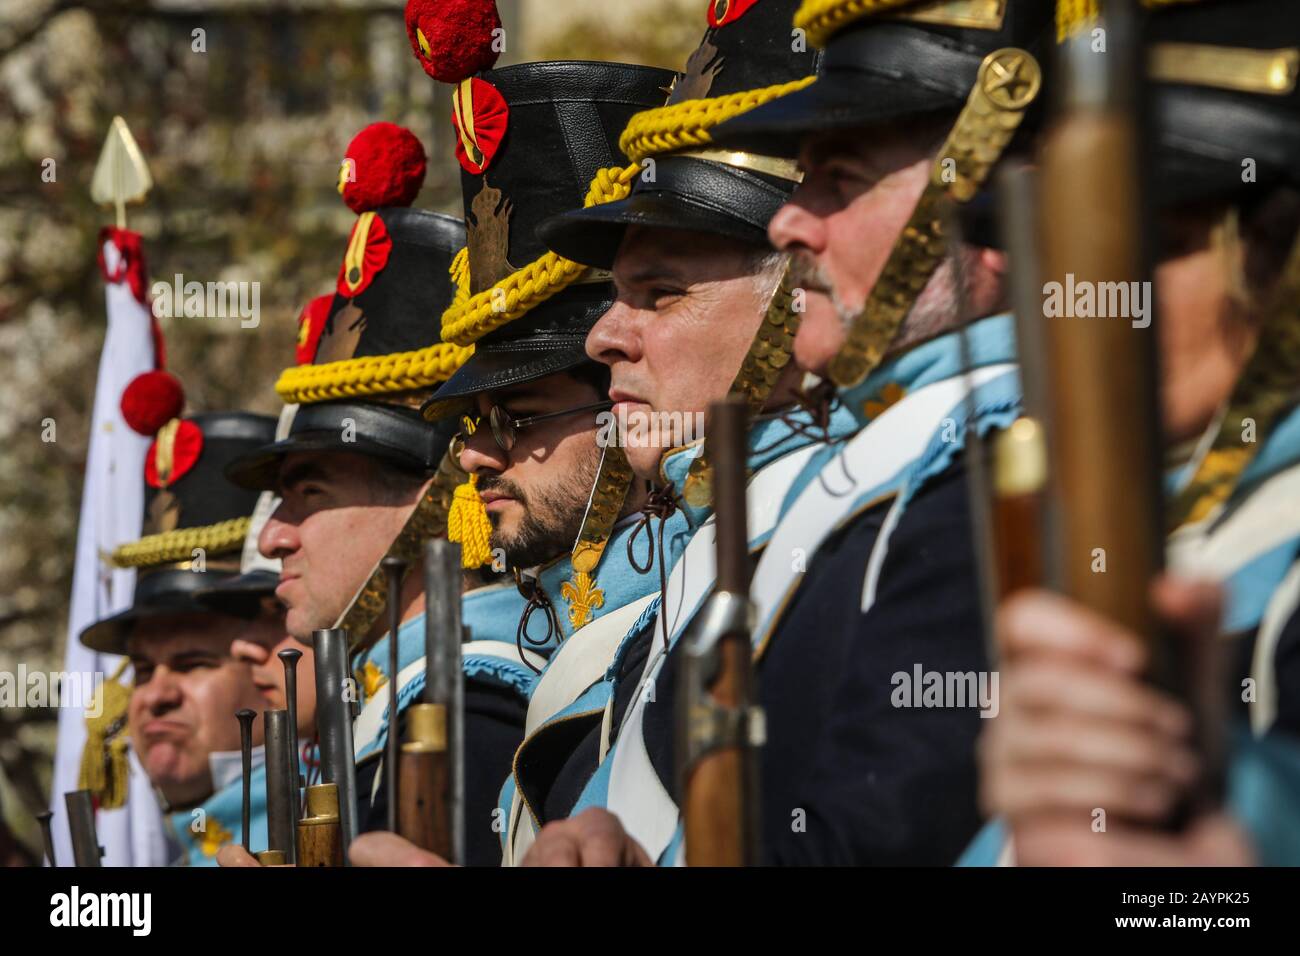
<point x="112" y="505"/>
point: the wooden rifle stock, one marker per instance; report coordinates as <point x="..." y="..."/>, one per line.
<point x="431" y="810"/>
<point x="717" y="722"/>
<point x="320" y="831"/>
<point x="1102" y="372"/>
<point x="1105" y="435"/>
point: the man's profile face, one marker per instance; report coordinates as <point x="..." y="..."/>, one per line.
<point x="334" y="523"/>
<point x="688" y="307"/>
<point x="187" y="690"/>
<point x="841" y="224"/>
<point x="258" y="643"/>
<point x="536" y="494"/>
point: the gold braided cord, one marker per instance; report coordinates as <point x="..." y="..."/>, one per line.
<point x="371" y="374"/>
<point x="1073" y="15"/>
<point x="820" y="19"/>
<point x="686" y="125"/>
<point x="179" y="544"/>
<point x="470" y="317"/>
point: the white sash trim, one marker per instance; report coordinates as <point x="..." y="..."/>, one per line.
<point x="1265" y="520"/>
<point x="877" y="453"/>
<point x="636" y="794"/>
<point x="577" y="663"/>
<point x="371" y="719"/>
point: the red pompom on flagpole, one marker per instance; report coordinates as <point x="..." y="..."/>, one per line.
<point x="384" y="166"/>
<point x="453" y="39"/>
<point x="151" y="401"/>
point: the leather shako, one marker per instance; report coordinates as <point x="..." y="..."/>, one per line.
<point x="687" y="184"/>
<point x="565" y="118"/>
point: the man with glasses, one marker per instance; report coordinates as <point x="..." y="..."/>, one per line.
<point x="357" y="469"/>
<point x="549" y="502"/>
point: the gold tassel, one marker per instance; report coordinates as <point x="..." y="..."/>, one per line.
<point x="1072" y="16"/>
<point x="105" y="767"/>
<point x="468" y="524"/>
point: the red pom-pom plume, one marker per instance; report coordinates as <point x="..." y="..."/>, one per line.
<point x="151" y="401"/>
<point x="384" y="166"/>
<point x="453" y="39"/>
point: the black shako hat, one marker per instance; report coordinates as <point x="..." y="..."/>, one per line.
<point x="1225" y="98"/>
<point x="195" y="521"/>
<point x="889" y="61"/>
<point x="533" y="140"/>
<point x="747" y="56"/>
<point x="377" y="354"/>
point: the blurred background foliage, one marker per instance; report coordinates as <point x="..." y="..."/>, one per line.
<point x="244" y="138"/>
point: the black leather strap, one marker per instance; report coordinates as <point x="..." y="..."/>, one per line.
<point x="734" y="193"/>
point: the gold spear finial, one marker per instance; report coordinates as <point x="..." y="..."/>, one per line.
<point x="121" y="174"/>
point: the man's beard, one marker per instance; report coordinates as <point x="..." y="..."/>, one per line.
<point x="934" y="312"/>
<point x="552" y="515"/>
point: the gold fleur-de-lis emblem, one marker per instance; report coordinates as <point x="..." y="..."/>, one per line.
<point x="371" y="679"/>
<point x="583" y="597"/>
<point x="889" y="396"/>
<point x="213" y="837"/>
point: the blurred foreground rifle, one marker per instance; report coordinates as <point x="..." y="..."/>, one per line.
<point x="1104" y="442"/>
<point x="719" y="728"/>
<point x="431" y="804"/>
<point x="327" y="829"/>
<point x="86" y="850"/>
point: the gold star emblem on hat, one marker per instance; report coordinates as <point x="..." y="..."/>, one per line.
<point x="1010" y="78"/>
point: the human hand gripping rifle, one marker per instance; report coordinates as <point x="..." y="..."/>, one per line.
<point x="1102" y="376"/>
<point x="431" y="786"/>
<point x="719" y="729"/>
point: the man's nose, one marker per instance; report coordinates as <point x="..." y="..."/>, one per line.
<point x="162" y="693"/>
<point x="614" y="336"/>
<point x="482" y="454"/>
<point x="797" y="228"/>
<point x="250" y="652"/>
<point x="278" y="537"/>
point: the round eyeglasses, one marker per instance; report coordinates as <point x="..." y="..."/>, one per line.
<point x="506" y="429"/>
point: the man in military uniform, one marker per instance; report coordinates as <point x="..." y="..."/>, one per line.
<point x="556" y="495"/>
<point x="1080" y="727"/>
<point x="848" y="775"/>
<point x="188" y="685"/>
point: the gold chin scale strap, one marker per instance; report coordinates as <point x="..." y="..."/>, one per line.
<point x="768" y="355"/>
<point x="1007" y="84"/>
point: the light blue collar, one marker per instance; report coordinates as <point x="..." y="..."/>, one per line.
<point x="217" y="821"/>
<point x="991" y="341"/>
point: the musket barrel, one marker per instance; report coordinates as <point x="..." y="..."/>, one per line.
<point x="728" y="423"/>
<point x="44" y="818"/>
<point x="86" y="850"/>
<point x="432" y="806"/>
<point x="289" y="658"/>
<point x="279" y="787"/>
<point x="245" y="718"/>
<point x="334" y="696"/>
<point x="394" y="570"/>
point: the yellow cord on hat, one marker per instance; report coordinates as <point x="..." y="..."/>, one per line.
<point x="470" y="317"/>
<point x="468" y="525"/>
<point x="371" y="374"/>
<point x="820" y="19"/>
<point x="686" y="125"/>
<point x="179" y="544"/>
